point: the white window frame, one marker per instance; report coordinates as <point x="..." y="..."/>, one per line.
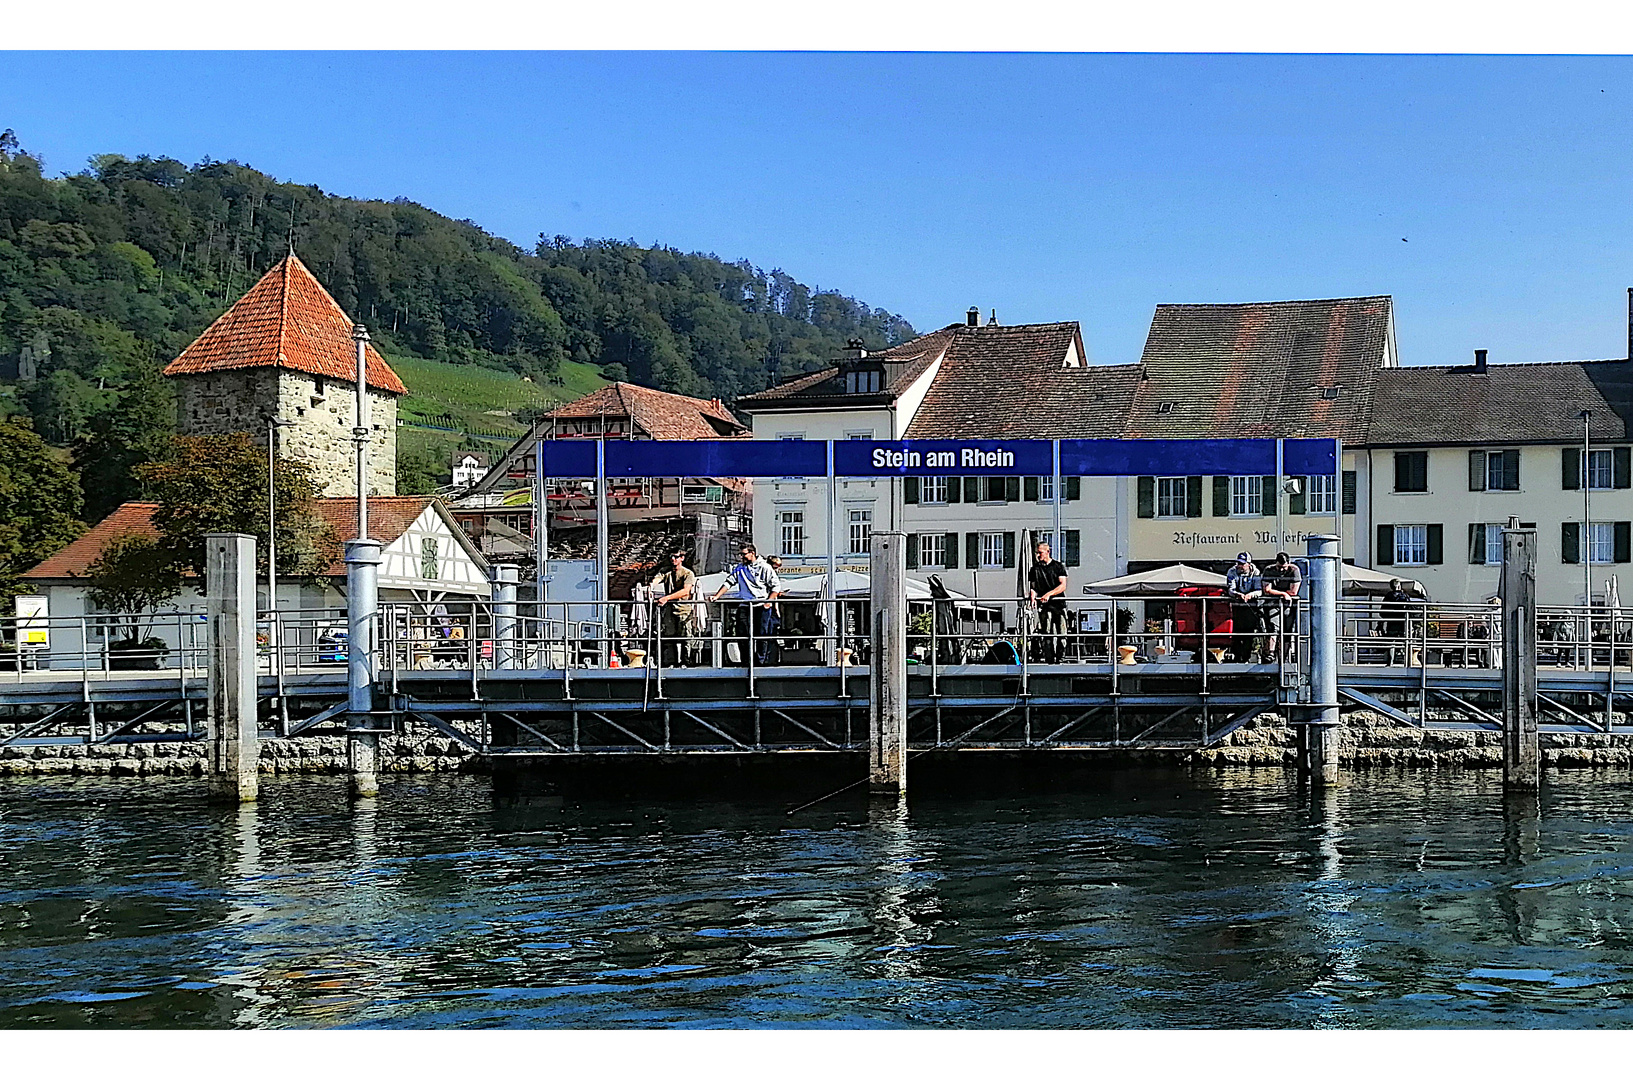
<point x="991" y="551"/>
<point x="1247" y="496"/>
<point x="1601" y="543"/>
<point x="932" y="551"/>
<point x="1494" y="543"/>
<point x="859" y="436"/>
<point x="791" y="531"/>
<point x="1607" y="473"/>
<point x="1411" y="545"/>
<point x="1046" y="488"/>
<point x="1321" y="495"/>
<point x="933" y="490"/>
<point x="1176" y="492"/>
<point x="859" y="528"/>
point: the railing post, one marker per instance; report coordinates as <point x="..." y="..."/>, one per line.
<point x="1522" y="752"/>
<point x="887" y="697"/>
<point x="235" y="752"/>
<point x="1318" y="742"/>
<point x="362" y="609"/>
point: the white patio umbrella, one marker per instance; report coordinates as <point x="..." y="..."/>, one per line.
<point x="1360" y="581"/>
<point x="1163" y="581"/>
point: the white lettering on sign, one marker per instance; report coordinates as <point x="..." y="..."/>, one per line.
<point x="897" y="459"/>
<point x="971" y="458"/>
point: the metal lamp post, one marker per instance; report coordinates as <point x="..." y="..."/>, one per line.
<point x="362" y="602"/>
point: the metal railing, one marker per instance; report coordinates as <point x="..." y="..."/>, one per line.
<point x="102" y="648"/>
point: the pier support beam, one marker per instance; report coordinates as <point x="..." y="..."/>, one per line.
<point x="887" y="696"/>
<point x="506" y="647"/>
<point x="1522" y="751"/>
<point x="1319" y="734"/>
<point x="362" y="618"/>
<point x="235" y="745"/>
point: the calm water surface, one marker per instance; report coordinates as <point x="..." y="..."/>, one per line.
<point x="1136" y="900"/>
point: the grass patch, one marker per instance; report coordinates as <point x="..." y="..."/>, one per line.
<point x="481" y="401"/>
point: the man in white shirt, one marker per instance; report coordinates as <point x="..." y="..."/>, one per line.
<point x="757" y="588"/>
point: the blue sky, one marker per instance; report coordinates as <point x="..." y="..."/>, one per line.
<point x="1488" y="195"/>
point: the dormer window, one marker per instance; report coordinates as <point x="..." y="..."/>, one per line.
<point x="1329" y="393"/>
<point x="864" y="379"/>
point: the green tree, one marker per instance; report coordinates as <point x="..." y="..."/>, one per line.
<point x="131" y="578"/>
<point x="137" y="429"/>
<point x="218" y="483"/>
<point x="40" y="503"/>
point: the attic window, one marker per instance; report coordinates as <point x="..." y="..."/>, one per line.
<point x="1330" y="393"/>
<point x="864" y="379"/>
<point x="1164" y="408"/>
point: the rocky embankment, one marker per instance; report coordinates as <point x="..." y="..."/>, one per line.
<point x="317" y="754"/>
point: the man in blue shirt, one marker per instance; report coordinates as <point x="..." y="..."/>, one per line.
<point x="757" y="588"/>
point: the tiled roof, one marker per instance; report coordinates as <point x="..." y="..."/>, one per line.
<point x="903" y="363"/>
<point x="1259" y="370"/>
<point x="1510" y="403"/>
<point x="76" y="559"/>
<point x="635" y="549"/>
<point x="659" y="414"/>
<point x="286" y="320"/>
<point x="1011" y="382"/>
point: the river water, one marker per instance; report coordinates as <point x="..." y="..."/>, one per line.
<point x="1146" y="898"/>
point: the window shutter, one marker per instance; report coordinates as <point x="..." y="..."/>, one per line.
<point x="1511" y="470"/>
<point x="913" y="552"/>
<point x="1074" y="544"/>
<point x="1477" y="544"/>
<point x="972" y="550"/>
<point x="1268" y="494"/>
<point x="1193" y="496"/>
<point x="1031" y="492"/>
<point x="1146" y="503"/>
<point x="1012" y="489"/>
<point x="1569" y="548"/>
<point x="1624" y="541"/>
<point x="1295" y="500"/>
<point x="1385" y="555"/>
<point x="1074" y="488"/>
<point x="1621" y="474"/>
<point x="1403" y="472"/>
<point x="1009" y="551"/>
<point x="1221" y="496"/>
<point x="952" y="551"/>
<point x="1437" y="544"/>
<point x="910" y="489"/>
<point x="1349" y="492"/>
<point x="972" y="489"/>
<point x="1477" y="470"/>
<point x="1570" y="461"/>
<point x="955" y="488"/>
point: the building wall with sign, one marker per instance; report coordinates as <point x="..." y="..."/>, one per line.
<point x="1439" y="511"/>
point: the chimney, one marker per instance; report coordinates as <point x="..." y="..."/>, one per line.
<point x="854" y="349"/>
<point x="1479" y="361"/>
<point x="972" y="317"/>
<point x="992" y="320"/>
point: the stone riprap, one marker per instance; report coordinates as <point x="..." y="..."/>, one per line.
<point x="317" y="754"/>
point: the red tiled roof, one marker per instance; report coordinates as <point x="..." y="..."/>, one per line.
<point x="903" y="365"/>
<point x="76" y="559"/>
<point x="286" y="320"/>
<point x="658" y="414"/>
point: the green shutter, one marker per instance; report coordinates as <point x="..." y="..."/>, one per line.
<point x="1009" y="551"/>
<point x="1349" y="492"/>
<point x="1074" y="488"/>
<point x="1012" y="489"/>
<point x="1146" y="501"/>
<point x="1295" y="500"/>
<point x="952" y="551"/>
<point x="1268" y="493"/>
<point x="1570" y="467"/>
<point x="912" y="551"/>
<point x="1477" y="470"/>
<point x="910" y="489"/>
<point x="1385" y="553"/>
<point x="1193" y="496"/>
<point x="1221" y="496"/>
<point x="1477" y="544"/>
<point x="955" y="489"/>
<point x="1031" y="492"/>
<point x="1623" y="531"/>
<point x="972" y="489"/>
<point x="1511" y="470"/>
<point x="972" y="550"/>
<point x="1569" y="547"/>
<point x="1621" y="474"/>
<point x="1074" y="546"/>
<point x="1436" y="535"/>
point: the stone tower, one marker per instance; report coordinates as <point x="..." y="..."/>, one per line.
<point x="285" y="349"/>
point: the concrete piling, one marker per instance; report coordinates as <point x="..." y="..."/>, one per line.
<point x="1319" y="734"/>
<point x="506" y="647"/>
<point x="887" y="675"/>
<point x="1522" y="752"/>
<point x="234" y="730"/>
<point x="362" y="611"/>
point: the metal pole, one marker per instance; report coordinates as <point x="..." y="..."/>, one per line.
<point x="601" y="540"/>
<point x="1322" y="723"/>
<point x="505" y="649"/>
<point x="1281" y="499"/>
<point x="360" y="433"/>
<point x="1587" y="532"/>
<point x="1058" y="548"/>
<point x="830" y="588"/>
<point x="362" y="608"/>
<point x="541" y="527"/>
<point x="1522" y="753"/>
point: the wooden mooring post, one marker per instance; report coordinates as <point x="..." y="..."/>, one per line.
<point x="887" y="697"/>
<point x="234" y="730"/>
<point x="1522" y="752"/>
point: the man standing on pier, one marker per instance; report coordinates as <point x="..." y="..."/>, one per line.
<point x="675" y="586"/>
<point x="1046" y="587"/>
<point x="1281" y="583"/>
<point x="758" y="588"/>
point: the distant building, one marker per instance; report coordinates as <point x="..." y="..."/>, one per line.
<point x="285" y="349"/>
<point x="469" y="467"/>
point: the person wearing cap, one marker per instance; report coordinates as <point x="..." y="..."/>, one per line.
<point x="1243" y="586"/>
<point x="1281" y="584"/>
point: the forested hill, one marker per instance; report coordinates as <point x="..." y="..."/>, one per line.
<point x="107" y="274"/>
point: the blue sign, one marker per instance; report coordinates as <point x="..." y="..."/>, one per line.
<point x="944" y="457"/>
<point x="1193" y="457"/>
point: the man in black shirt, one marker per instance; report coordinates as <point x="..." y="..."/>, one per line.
<point x="1281" y="584"/>
<point x="1046" y="586"/>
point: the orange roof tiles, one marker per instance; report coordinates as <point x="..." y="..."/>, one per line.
<point x="76" y="559"/>
<point x="660" y="415"/>
<point x="286" y="320"/>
